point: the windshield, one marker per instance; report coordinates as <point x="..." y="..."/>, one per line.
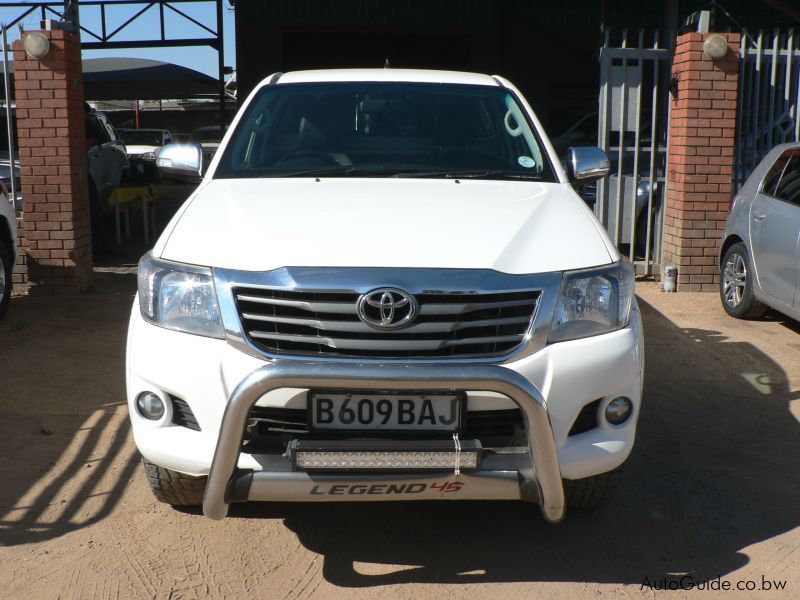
<point x="141" y="137"/>
<point x="384" y="129"/>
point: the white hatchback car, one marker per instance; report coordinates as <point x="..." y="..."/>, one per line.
<point x="384" y="288"/>
<point x="760" y="253"/>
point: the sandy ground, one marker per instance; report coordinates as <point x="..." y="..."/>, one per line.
<point x="711" y="489"/>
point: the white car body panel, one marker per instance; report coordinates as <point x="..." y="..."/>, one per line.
<point x="264" y="224"/>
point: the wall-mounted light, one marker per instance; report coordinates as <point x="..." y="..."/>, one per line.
<point x="36" y="45"/>
<point x="715" y="47"/>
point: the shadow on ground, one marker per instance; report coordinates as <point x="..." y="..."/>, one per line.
<point x="714" y="471"/>
<point x="63" y="420"/>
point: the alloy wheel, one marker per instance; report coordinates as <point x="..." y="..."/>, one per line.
<point x="734" y="278"/>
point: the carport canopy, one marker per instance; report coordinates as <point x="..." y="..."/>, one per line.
<point x="139" y="79"/>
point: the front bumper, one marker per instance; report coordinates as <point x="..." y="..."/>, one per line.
<point x="539" y="480"/>
<point x="222" y="384"/>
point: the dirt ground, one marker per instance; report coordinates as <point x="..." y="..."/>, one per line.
<point x="711" y="490"/>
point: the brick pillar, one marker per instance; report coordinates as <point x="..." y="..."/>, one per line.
<point x="700" y="169"/>
<point x="52" y="148"/>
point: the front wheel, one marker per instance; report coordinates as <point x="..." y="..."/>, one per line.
<point x="590" y="492"/>
<point x="172" y="487"/>
<point x="736" y="284"/>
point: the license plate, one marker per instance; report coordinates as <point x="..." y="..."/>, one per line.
<point x="391" y="412"/>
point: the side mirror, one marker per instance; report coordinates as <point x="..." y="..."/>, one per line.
<point x="181" y="161"/>
<point x="587" y="163"/>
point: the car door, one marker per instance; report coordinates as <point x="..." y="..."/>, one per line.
<point x="97" y="137"/>
<point x="775" y="229"/>
<point x="113" y="154"/>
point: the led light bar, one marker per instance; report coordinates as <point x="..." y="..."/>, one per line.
<point x="389" y="455"/>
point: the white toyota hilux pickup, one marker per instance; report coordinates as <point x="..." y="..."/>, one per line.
<point x="384" y="288"/>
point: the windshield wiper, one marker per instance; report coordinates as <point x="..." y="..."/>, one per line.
<point x="474" y="174"/>
<point x="343" y="171"/>
<point x="351" y="171"/>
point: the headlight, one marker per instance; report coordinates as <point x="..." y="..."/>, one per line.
<point x="179" y="297"/>
<point x="593" y="302"/>
<point x="149" y="156"/>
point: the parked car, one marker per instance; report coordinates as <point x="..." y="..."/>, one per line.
<point x="8" y="246"/>
<point x="6" y="169"/>
<point x="582" y="132"/>
<point x="209" y="139"/>
<point x="142" y="147"/>
<point x="385" y="288"/>
<point x="641" y="198"/>
<point x="760" y="252"/>
<point x="108" y="161"/>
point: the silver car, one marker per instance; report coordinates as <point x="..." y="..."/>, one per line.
<point x="761" y="248"/>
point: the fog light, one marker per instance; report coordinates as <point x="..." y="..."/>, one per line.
<point x="150" y="406"/>
<point x="618" y="410"/>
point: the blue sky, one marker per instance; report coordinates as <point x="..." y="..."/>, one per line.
<point x="201" y="58"/>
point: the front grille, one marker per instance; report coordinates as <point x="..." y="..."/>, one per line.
<point x="270" y="428"/>
<point x="448" y="325"/>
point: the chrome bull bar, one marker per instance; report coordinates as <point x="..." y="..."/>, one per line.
<point x="540" y="481"/>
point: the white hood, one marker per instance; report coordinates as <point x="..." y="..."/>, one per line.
<point x="263" y="224"/>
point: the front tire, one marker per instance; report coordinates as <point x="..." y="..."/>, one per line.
<point x="174" y="488"/>
<point x="736" y="284"/>
<point x="590" y="492"/>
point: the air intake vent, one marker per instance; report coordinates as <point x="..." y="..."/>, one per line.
<point x="182" y="415"/>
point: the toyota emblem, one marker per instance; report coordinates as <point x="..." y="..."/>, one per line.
<point x="387" y="308"/>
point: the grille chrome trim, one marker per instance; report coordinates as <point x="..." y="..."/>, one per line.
<point x="323" y="307"/>
<point x="388" y="345"/>
<point x="342" y="284"/>
<point x="359" y="327"/>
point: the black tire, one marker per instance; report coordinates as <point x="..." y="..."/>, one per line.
<point x="5" y="277"/>
<point x="174" y="488"/>
<point x="588" y="493"/>
<point x="736" y="284"/>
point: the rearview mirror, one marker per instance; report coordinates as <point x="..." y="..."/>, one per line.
<point x="181" y="161"/>
<point x="587" y="163"/>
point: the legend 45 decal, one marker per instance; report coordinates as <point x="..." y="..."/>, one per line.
<point x="383" y="489"/>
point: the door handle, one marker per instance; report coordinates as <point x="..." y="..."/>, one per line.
<point x="759" y="216"/>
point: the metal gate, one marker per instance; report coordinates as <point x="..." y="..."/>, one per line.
<point x="635" y="68"/>
<point x="769" y="97"/>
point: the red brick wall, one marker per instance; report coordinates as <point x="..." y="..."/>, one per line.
<point x="700" y="168"/>
<point x="52" y="148"/>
